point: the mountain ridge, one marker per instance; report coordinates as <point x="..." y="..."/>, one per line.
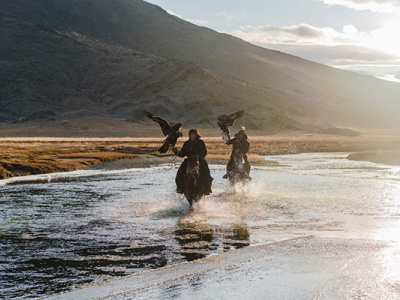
<point x="96" y="58"/>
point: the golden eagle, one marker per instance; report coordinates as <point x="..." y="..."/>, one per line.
<point x="172" y="132"/>
<point x="224" y="122"/>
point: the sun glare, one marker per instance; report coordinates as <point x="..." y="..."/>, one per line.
<point x="386" y="38"/>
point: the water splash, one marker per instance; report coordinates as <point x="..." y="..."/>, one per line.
<point x="88" y="226"/>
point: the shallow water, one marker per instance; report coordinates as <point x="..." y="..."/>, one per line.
<point x="68" y="229"/>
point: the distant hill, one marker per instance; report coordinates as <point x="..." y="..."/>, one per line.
<point x="66" y="60"/>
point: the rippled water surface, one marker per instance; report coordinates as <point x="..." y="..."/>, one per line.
<point x="63" y="230"/>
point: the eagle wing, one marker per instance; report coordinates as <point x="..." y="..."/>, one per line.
<point x="172" y="132"/>
<point x="165" y="127"/>
<point x="224" y="122"/>
<point x="233" y="117"/>
<point x="176" y="127"/>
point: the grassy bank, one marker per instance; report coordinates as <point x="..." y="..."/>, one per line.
<point x="26" y="156"/>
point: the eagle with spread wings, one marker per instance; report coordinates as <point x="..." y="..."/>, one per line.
<point x="171" y="131"/>
<point x="224" y="122"/>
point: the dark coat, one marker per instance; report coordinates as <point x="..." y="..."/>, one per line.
<point x="242" y="145"/>
<point x="192" y="148"/>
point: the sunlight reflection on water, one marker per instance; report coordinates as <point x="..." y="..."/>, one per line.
<point x="88" y="226"/>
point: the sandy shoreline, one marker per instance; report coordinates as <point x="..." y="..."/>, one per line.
<point x="40" y="155"/>
<point x="386" y="157"/>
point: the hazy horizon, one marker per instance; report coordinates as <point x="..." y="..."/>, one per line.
<point x="358" y="36"/>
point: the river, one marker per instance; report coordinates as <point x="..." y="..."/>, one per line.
<point x="65" y="230"/>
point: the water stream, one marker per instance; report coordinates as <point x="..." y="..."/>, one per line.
<point x="63" y="230"/>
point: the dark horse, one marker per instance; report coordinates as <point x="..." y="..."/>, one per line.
<point x="194" y="185"/>
<point x="238" y="169"/>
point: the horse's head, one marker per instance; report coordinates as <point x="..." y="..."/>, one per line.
<point x="194" y="185"/>
<point x="239" y="161"/>
<point x="193" y="168"/>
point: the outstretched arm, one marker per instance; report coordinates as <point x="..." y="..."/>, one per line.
<point x="231" y="141"/>
<point x="182" y="152"/>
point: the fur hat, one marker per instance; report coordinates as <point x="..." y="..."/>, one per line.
<point x="241" y="131"/>
<point x="194" y="130"/>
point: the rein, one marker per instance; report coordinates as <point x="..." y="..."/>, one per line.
<point x="172" y="164"/>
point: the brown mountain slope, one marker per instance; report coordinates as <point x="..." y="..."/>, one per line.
<point x="105" y="58"/>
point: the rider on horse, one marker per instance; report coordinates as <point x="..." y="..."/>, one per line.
<point x="240" y="145"/>
<point x="193" y="146"/>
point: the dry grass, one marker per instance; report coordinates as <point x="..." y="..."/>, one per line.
<point x="24" y="156"/>
<point x="18" y="159"/>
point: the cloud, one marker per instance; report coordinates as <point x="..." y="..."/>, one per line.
<point x="386" y="37"/>
<point x="194" y="21"/>
<point x="339" y="55"/>
<point x="324" y="44"/>
<point x="351" y="58"/>
<point x="387" y="72"/>
<point x="385" y="6"/>
<point x="301" y="31"/>
<point x="348" y="49"/>
<point x="302" y="34"/>
<point x="350" y="29"/>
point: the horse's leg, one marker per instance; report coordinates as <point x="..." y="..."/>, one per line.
<point x="188" y="186"/>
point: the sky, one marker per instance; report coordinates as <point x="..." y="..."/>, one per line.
<point x="355" y="35"/>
